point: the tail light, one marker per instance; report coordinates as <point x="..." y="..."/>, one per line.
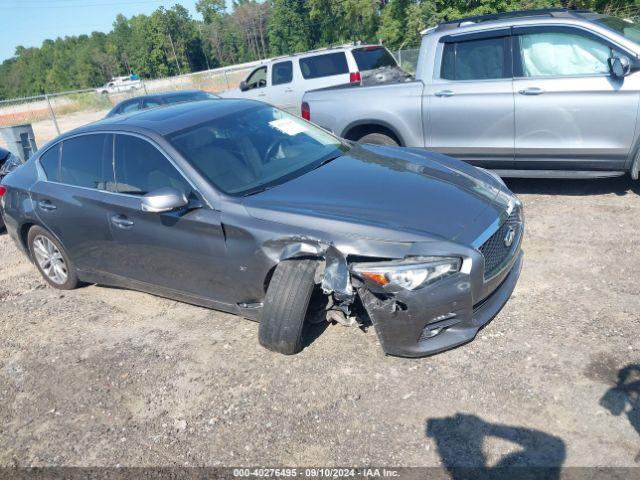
<point x="354" y="77"/>
<point x="3" y="190"/>
<point x="306" y="111"/>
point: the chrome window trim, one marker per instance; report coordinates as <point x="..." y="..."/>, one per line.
<point x="114" y="133"/>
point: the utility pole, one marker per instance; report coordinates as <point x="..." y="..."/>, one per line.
<point x="174" y="54"/>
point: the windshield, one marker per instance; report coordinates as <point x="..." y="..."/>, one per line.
<point x="370" y="58"/>
<point x="243" y="153"/>
<point x="625" y="27"/>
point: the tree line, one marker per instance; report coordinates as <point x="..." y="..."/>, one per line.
<point x="171" y="42"/>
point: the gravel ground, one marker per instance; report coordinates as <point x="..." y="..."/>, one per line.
<point x="101" y="376"/>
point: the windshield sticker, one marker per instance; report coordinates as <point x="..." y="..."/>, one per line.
<point x="288" y="126"/>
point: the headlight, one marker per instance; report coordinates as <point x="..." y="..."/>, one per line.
<point x="410" y="273"/>
<point x="10" y="164"/>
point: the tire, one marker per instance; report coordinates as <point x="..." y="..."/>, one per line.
<point x="378" y="139"/>
<point x="37" y="240"/>
<point x="282" y="321"/>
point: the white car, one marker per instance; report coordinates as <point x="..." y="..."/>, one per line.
<point x="283" y="81"/>
<point x="121" y="84"/>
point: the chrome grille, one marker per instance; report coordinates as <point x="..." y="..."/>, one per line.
<point x="496" y="252"/>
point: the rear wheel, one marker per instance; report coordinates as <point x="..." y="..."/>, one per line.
<point x="283" y="317"/>
<point x="52" y="260"/>
<point x="378" y="139"/>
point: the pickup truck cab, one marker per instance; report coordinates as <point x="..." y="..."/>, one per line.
<point x="283" y="81"/>
<point x="542" y="93"/>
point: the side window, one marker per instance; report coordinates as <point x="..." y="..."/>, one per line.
<point x="150" y="103"/>
<point x="482" y="59"/>
<point x="258" y="78"/>
<point x="50" y="163"/>
<point x="129" y="107"/>
<point x="281" y="73"/>
<point x="324" y="65"/>
<point x="141" y="168"/>
<point x="562" y="54"/>
<point x="87" y="161"/>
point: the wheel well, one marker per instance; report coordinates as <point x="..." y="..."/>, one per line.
<point x="359" y="131"/>
<point x="24" y="234"/>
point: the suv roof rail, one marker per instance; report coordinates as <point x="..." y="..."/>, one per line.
<point x="551" y="12"/>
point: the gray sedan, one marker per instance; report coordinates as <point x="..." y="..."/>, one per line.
<point x="238" y="206"/>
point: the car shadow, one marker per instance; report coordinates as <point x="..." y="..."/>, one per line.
<point x="460" y="440"/>
<point x="624" y="397"/>
<point x="574" y="187"/>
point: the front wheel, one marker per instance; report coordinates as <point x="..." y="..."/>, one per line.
<point x="378" y="139"/>
<point x="284" y="311"/>
<point x="51" y="259"/>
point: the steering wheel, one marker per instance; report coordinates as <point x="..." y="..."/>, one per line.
<point x="273" y="148"/>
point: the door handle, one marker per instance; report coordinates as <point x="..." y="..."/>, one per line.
<point x="531" y="91"/>
<point x="262" y="94"/>
<point x="444" y="93"/>
<point x="289" y="90"/>
<point x="47" y="206"/>
<point x="121" y="221"/>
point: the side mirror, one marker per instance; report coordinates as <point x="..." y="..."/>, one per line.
<point x="243" y="86"/>
<point x="163" y="199"/>
<point x="619" y="67"/>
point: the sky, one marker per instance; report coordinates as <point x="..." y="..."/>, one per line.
<point x="30" y="22"/>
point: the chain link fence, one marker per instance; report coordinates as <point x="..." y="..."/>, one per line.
<point x="57" y="113"/>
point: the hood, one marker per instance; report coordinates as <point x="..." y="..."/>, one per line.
<point x="400" y="190"/>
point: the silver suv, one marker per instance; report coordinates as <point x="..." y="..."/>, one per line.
<point x="532" y="93"/>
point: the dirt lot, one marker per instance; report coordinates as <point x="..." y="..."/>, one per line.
<point x="100" y="376"/>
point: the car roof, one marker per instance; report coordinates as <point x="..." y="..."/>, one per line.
<point x="167" y="119"/>
<point x="550" y="15"/>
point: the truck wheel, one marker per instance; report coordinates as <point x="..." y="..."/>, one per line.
<point x="285" y="306"/>
<point x="378" y="139"/>
<point x="51" y="259"/>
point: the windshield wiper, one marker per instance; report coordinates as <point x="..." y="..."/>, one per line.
<point x="327" y="160"/>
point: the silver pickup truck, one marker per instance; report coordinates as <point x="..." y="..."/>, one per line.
<point x="542" y="93"/>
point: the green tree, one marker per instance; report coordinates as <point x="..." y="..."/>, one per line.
<point x="289" y="27"/>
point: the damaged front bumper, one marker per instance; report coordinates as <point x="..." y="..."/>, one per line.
<point x="427" y="321"/>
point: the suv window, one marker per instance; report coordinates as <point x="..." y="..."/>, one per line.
<point x="482" y="59"/>
<point x="87" y="161"/>
<point x="324" y="65"/>
<point x="281" y="73"/>
<point x="141" y="168"/>
<point x="258" y="78"/>
<point x="50" y="163"/>
<point x="370" y="58"/>
<point x="562" y="54"/>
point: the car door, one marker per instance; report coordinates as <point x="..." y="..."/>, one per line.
<point x="73" y="201"/>
<point x="281" y="92"/>
<point x="570" y="113"/>
<point x="469" y="107"/>
<point x="179" y="251"/>
<point x="257" y="85"/>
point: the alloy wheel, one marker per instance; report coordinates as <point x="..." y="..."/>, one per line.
<point x="50" y="259"/>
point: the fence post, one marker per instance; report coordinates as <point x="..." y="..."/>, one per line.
<point x="400" y="56"/>
<point x="226" y="79"/>
<point x="144" y="87"/>
<point x="53" y="115"/>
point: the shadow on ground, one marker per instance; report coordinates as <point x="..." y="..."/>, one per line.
<point x="460" y="443"/>
<point x="544" y="186"/>
<point x="624" y="397"/>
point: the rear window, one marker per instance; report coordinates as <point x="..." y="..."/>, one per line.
<point x="482" y="59"/>
<point x="49" y="162"/>
<point x="87" y="161"/>
<point x="370" y="58"/>
<point x="324" y="65"/>
<point x="189" y="97"/>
